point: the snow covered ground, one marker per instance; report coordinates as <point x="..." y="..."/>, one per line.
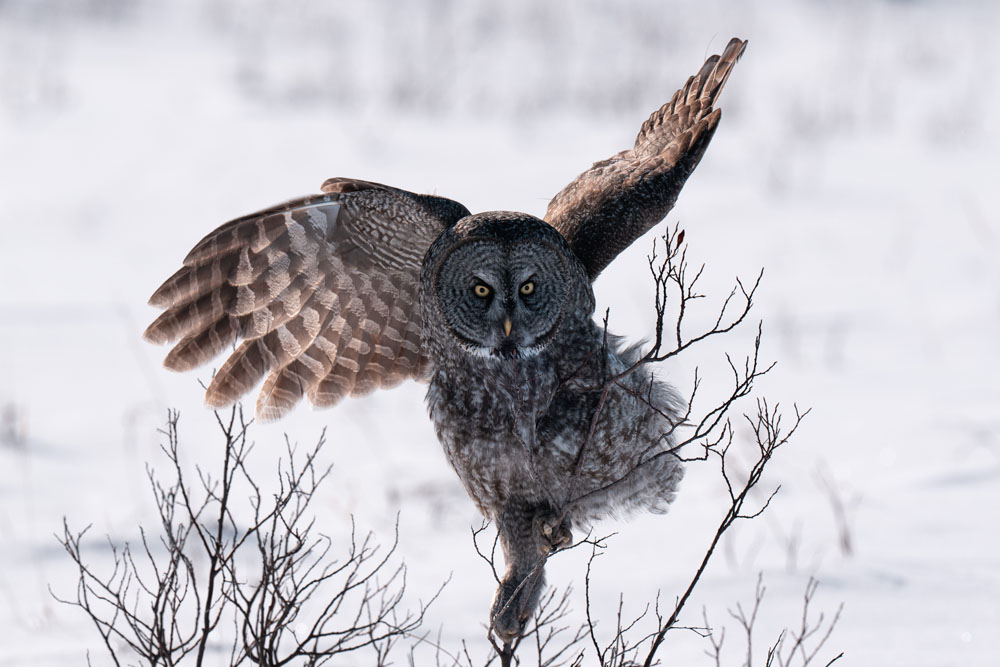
<point x="856" y="162"/>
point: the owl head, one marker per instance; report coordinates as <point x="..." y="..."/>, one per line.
<point x="501" y="285"/>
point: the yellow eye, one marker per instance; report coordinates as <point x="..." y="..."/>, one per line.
<point x="527" y="288"/>
<point x="481" y="290"/>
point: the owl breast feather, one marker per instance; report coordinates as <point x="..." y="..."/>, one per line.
<point x="516" y="433"/>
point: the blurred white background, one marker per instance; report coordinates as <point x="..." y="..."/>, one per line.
<point x="856" y="163"/>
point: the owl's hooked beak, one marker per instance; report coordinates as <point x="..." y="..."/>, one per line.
<point x="507" y="349"/>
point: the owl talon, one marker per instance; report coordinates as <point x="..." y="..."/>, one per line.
<point x="555" y="535"/>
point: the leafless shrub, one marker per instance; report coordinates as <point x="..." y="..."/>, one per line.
<point x="13" y="426"/>
<point x="791" y="541"/>
<point x="223" y="585"/>
<point x="553" y="639"/>
<point x="798" y="647"/>
<point x="623" y="649"/>
<point x="283" y="600"/>
<point x="703" y="434"/>
<point x="843" y="510"/>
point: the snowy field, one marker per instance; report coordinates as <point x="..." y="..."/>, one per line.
<point x="857" y="163"/>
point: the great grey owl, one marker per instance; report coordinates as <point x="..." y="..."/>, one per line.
<point x="366" y="285"/>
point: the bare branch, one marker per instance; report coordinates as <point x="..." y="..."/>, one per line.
<point x="279" y="588"/>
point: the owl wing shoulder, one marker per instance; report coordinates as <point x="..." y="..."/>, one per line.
<point x="617" y="200"/>
<point x="320" y="293"/>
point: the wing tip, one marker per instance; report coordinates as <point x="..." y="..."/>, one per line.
<point x="178" y="361"/>
<point x="154" y="336"/>
<point x="216" y="397"/>
<point x="716" y="70"/>
<point x="270" y="411"/>
<point x="727" y="61"/>
<point x="159" y="299"/>
<point x="736" y="43"/>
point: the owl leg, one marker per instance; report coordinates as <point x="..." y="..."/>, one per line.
<point x="528" y="533"/>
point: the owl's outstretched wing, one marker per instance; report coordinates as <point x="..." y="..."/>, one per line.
<point x="322" y="291"/>
<point x="619" y="199"/>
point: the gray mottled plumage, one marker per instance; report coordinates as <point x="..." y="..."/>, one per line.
<point x="366" y="285"/>
<point x="513" y="426"/>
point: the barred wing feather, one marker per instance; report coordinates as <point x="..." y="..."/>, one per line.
<point x="618" y="200"/>
<point x="321" y="292"/>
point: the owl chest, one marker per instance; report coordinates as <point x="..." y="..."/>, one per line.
<point x="477" y="422"/>
<point x="504" y="443"/>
